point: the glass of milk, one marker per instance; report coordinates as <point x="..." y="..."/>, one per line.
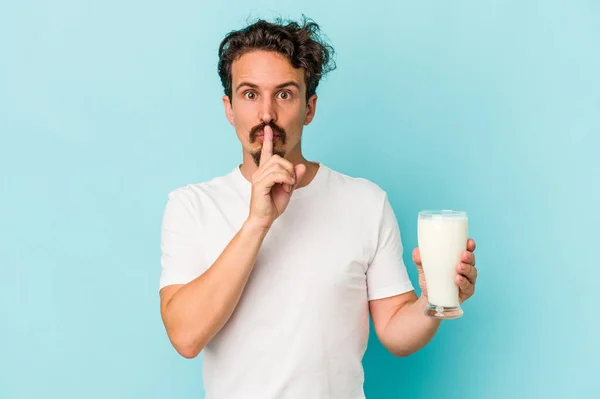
<point x="442" y="237"/>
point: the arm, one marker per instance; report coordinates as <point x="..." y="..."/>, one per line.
<point x="193" y="313"/>
<point x="400" y="323"/>
<point x="397" y="313"/>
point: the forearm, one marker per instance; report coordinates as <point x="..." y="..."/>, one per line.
<point x="409" y="329"/>
<point x="199" y="309"/>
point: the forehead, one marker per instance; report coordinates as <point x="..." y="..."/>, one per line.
<point x="265" y="68"/>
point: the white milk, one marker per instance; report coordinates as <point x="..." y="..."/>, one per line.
<point x="442" y="238"/>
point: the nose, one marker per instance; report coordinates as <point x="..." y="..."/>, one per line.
<point x="267" y="110"/>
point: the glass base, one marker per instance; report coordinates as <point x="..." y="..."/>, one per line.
<point x="442" y="312"/>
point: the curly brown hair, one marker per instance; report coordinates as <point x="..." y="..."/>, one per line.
<point x="299" y="43"/>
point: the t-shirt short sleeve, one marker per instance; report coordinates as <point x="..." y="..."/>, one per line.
<point x="181" y="257"/>
<point x="386" y="274"/>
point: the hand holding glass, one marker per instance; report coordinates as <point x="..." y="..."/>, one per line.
<point x="442" y="238"/>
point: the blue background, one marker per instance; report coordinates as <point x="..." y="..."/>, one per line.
<point x="488" y="106"/>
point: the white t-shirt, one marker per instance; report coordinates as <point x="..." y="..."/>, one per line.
<point x="301" y="327"/>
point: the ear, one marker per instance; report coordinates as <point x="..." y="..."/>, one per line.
<point x="311" y="108"/>
<point x="228" y="110"/>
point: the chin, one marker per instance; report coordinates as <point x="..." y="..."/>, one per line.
<point x="256" y="154"/>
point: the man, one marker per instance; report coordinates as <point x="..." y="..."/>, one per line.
<point x="274" y="268"/>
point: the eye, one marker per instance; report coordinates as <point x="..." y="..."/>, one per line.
<point x="250" y="95"/>
<point x="285" y="95"/>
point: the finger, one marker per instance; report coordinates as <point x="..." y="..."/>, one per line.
<point x="273" y="168"/>
<point x="416" y="255"/>
<point x="468" y="257"/>
<point x="287" y="165"/>
<point x="299" y="171"/>
<point x="276" y="177"/>
<point x="267" y="149"/>
<point x="277" y="160"/>
<point x="465" y="287"/>
<point x="467" y="270"/>
<point x="471" y="245"/>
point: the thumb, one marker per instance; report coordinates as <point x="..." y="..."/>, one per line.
<point x="300" y="170"/>
<point x="416" y="255"/>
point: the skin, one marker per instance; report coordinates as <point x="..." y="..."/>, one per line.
<point x="261" y="94"/>
<point x="268" y="91"/>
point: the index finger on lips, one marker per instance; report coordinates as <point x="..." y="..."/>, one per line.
<point x="267" y="149"/>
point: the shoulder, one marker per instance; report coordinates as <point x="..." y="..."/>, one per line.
<point x="359" y="189"/>
<point x="192" y="195"/>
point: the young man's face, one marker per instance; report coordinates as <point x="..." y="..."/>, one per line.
<point x="267" y="89"/>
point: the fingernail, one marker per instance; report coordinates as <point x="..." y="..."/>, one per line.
<point x="463" y="268"/>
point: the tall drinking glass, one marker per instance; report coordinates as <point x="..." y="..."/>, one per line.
<point x="442" y="237"/>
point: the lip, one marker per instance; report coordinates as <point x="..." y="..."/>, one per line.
<point x="261" y="137"/>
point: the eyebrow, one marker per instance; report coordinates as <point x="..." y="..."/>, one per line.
<point x="279" y="86"/>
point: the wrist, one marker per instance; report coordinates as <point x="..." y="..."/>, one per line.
<point x="422" y="302"/>
<point x="421" y="305"/>
<point x="255" y="227"/>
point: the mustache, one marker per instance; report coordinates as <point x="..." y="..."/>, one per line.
<point x="259" y="129"/>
